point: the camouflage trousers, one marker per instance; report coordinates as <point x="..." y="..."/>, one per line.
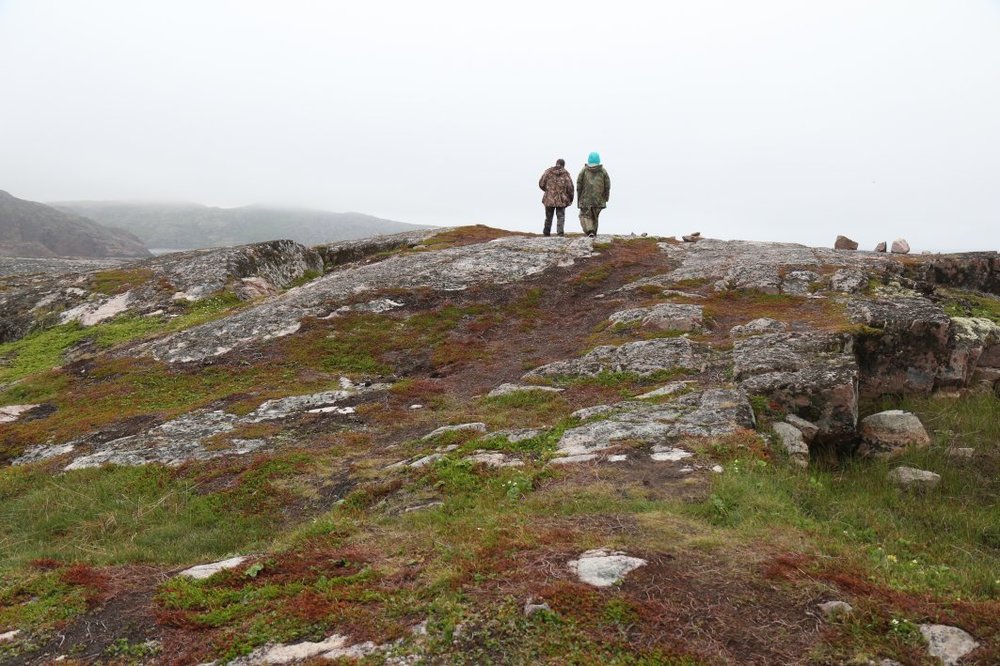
<point x="560" y="214"/>
<point x="588" y="219"/>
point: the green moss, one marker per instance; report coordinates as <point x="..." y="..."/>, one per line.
<point x="308" y="276"/>
<point x="118" y="281"/>
<point x="969" y="304"/>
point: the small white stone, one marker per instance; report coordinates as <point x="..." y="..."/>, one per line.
<point x="426" y="460"/>
<point x="416" y="406"/>
<point x="669" y="454"/>
<point x="603" y="568"/>
<point x="570" y="460"/>
<point x="462" y="427"/>
<point x="203" y="571"/>
<point x="717" y="469"/>
<point x="9" y="636"/>
<point x="949" y="644"/>
<point x="620" y="457"/>
<point x="11" y="413"/>
<point x="834" y="609"/>
<point x="495" y="460"/>
<point x="505" y="389"/>
<point x="328" y="410"/>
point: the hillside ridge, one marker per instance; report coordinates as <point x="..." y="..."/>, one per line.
<point x="179" y="225"/>
<point x="475" y="446"/>
<point x="31" y="229"/>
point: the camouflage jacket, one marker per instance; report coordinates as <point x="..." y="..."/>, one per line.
<point x="558" y="187"/>
<point x="593" y="187"/>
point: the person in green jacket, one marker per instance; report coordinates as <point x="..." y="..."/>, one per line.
<point x="593" y="188"/>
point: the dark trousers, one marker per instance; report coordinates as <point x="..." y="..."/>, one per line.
<point x="560" y="220"/>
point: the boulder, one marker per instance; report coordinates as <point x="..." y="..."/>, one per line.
<point x="845" y="243"/>
<point x="900" y="246"/>
<point x="891" y="432"/>
<point x="692" y="238"/>
<point x="808" y="429"/>
<point x="881" y="247"/>
<point x="790" y="440"/>
<point x="666" y="316"/>
<point x="949" y="644"/>
<point x="604" y="568"/>
<point x="910" y="478"/>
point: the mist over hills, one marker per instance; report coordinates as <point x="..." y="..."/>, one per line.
<point x="190" y="225"/>
<point x="31" y="229"/>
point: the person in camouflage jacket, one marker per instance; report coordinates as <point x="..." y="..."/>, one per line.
<point x="593" y="189"/>
<point x="558" y="187"/>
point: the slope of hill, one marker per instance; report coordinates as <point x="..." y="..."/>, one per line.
<point x="476" y="447"/>
<point x="30" y="229"/>
<point x="188" y="226"/>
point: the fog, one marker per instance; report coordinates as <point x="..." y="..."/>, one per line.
<point x="768" y="120"/>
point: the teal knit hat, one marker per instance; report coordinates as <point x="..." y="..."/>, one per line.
<point x="594" y="159"/>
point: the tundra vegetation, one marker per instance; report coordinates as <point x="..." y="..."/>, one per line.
<point x="354" y="522"/>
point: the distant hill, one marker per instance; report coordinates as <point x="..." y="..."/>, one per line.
<point x="188" y="226"/>
<point x="31" y="229"/>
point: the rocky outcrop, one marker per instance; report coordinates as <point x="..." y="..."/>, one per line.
<point x="974" y="345"/>
<point x="501" y="261"/>
<point x="905" y="346"/>
<point x="345" y="252"/>
<point x="812" y="375"/>
<point x="154" y="285"/>
<point x="766" y="267"/>
<point x="665" y="316"/>
<point x="644" y="357"/>
<point x="710" y="413"/>
<point x="977" y="271"/>
<point x="189" y="437"/>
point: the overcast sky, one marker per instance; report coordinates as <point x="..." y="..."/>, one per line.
<point x="770" y="119"/>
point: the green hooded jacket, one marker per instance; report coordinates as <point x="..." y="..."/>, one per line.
<point x="593" y="187"/>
